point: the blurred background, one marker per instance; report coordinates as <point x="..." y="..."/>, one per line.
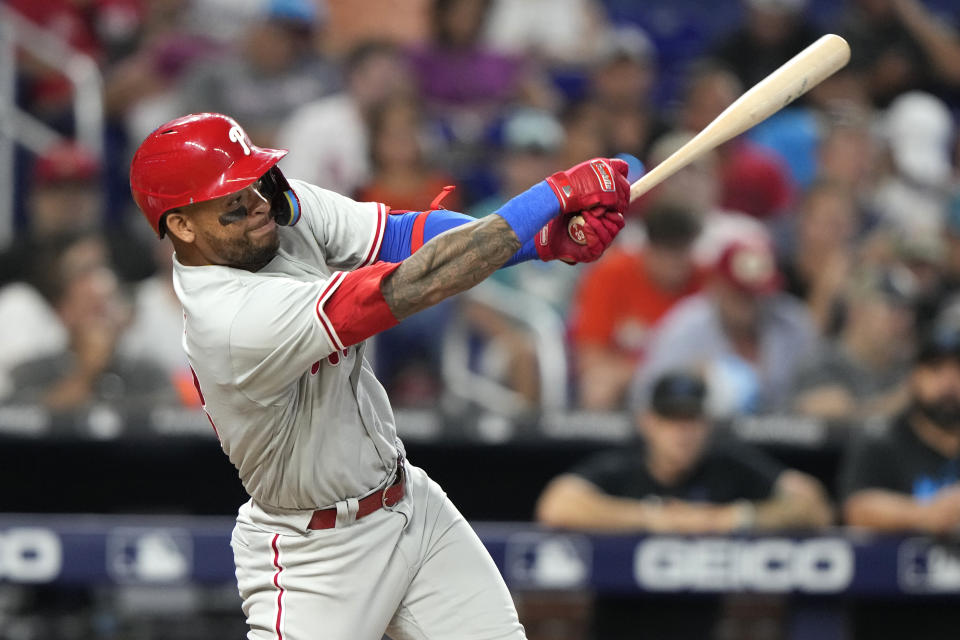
<point x="806" y="274"/>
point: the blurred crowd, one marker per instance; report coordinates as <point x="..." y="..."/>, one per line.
<point x="794" y="266"/>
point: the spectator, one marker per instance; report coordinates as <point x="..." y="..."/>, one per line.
<point x="462" y="82"/>
<point x="155" y="332"/>
<point x="65" y="197"/>
<point x="85" y="294"/>
<point x="848" y="153"/>
<point x="913" y="197"/>
<point x="924" y="255"/>
<point x="402" y="178"/>
<point x="405" y="23"/>
<point x="792" y="135"/>
<point x="899" y="45"/>
<point x="908" y="477"/>
<point x="621" y="298"/>
<point x="276" y="71"/>
<point x="227" y="20"/>
<point x="585" y="132"/>
<point x="569" y="37"/>
<point x="826" y="137"/>
<point x="622" y="83"/>
<point x="697" y="187"/>
<point x="141" y="89"/>
<point x="531" y="140"/>
<point x="678" y="478"/>
<point x="817" y="266"/>
<point x="773" y="31"/>
<point x="408" y="356"/>
<point x="23" y="305"/>
<point x="328" y="139"/>
<point x="741" y="332"/>
<point x="752" y="179"/>
<point x="66" y="194"/>
<point x="951" y="266"/>
<point x="864" y="372"/>
<point x="100" y="30"/>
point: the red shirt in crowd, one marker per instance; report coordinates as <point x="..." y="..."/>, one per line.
<point x="617" y="304"/>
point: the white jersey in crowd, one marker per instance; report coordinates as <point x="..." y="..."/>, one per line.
<point x="299" y="413"/>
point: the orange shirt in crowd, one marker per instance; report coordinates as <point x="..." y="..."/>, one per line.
<point x="616" y="304"/>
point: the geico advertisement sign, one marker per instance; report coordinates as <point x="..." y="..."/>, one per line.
<point x="29" y="554"/>
<point x="819" y="565"/>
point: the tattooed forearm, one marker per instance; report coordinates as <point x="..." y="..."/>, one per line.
<point x="450" y="263"/>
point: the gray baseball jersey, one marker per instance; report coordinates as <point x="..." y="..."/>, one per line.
<point x="296" y="407"/>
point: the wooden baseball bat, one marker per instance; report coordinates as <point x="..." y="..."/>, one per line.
<point x="794" y="78"/>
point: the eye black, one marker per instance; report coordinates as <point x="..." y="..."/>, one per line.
<point x="234" y="215"/>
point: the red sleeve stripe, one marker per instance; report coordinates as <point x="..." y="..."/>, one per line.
<point x="416" y="236"/>
<point x="321" y="314"/>
<point x="374" y="251"/>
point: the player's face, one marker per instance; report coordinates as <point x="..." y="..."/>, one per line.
<point x="237" y="230"/>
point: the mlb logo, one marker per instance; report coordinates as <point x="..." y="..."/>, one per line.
<point x="548" y="560"/>
<point x="149" y="555"/>
<point x="928" y="566"/>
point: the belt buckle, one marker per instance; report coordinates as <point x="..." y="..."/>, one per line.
<point x="383" y="498"/>
<point x="397" y="480"/>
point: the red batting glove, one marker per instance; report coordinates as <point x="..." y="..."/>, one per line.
<point x="600" y="227"/>
<point x="601" y="182"/>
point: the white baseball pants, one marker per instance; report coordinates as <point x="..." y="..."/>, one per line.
<point x="416" y="571"/>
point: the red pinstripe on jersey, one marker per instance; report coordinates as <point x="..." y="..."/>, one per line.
<point x="328" y="326"/>
<point x="381" y="227"/>
<point x="276" y="583"/>
<point x="203" y="403"/>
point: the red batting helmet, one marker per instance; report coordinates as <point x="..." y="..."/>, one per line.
<point x="194" y="158"/>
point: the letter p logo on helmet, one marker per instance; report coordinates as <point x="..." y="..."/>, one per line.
<point x="237" y="135"/>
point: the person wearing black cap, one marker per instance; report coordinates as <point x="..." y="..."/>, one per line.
<point x="679" y="478"/>
<point x="908" y="477"/>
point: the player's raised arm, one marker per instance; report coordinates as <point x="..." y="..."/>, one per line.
<point x="224" y="203"/>
<point x="453" y="262"/>
<point x="533" y="224"/>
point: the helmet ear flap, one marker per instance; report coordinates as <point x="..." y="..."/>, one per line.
<point x="283" y="201"/>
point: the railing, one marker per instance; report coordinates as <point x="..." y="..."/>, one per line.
<point x="17" y="126"/>
<point x="546" y="329"/>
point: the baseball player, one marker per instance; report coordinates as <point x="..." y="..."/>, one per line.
<point x="281" y="282"/>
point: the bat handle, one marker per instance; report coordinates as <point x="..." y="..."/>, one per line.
<point x="575" y="229"/>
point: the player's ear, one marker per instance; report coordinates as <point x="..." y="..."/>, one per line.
<point x="180" y="225"/>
